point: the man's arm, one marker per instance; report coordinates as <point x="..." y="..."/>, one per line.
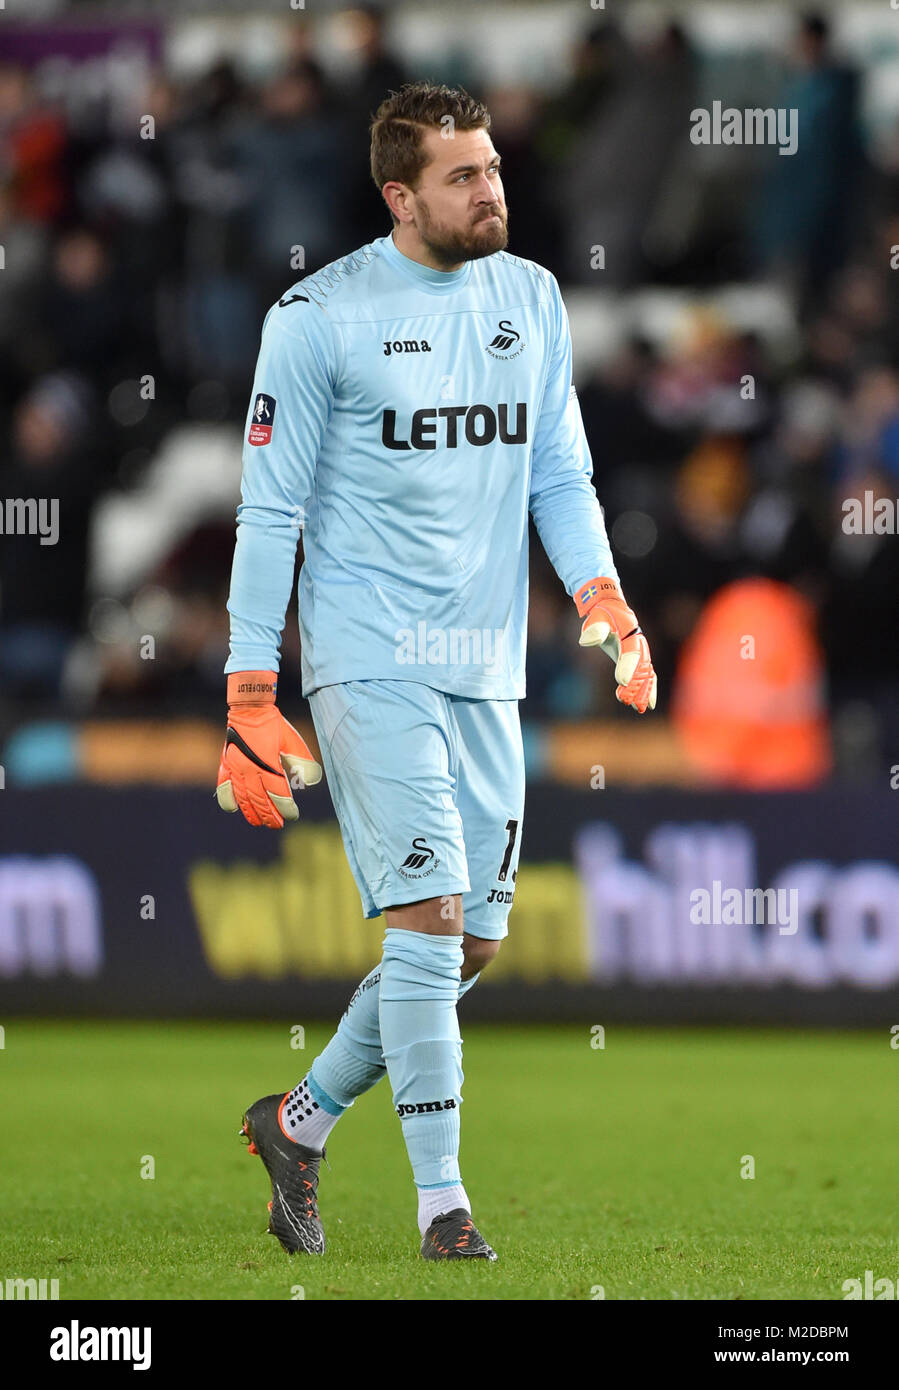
<point x="562" y="498"/>
<point x="570" y="524"/>
<point x="263" y="757"/>
<point x="293" y="394"/>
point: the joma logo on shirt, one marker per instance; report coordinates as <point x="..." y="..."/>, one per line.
<point x="407" y="345"/>
<point x="482" y="425"/>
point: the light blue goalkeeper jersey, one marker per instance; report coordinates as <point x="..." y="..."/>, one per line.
<point x="407" y="419"/>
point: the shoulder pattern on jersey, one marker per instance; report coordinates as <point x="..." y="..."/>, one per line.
<point x="320" y="283"/>
<point x="539" y="272"/>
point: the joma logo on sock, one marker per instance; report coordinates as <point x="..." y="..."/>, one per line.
<point x="425" y="1107"/>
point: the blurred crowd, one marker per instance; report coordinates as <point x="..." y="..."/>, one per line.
<point x="137" y="272"/>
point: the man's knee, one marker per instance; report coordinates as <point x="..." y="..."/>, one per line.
<point x="436" y="916"/>
<point x="478" y="953"/>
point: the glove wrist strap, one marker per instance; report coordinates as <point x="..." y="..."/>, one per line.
<point x="593" y="592"/>
<point x="252" y="687"/>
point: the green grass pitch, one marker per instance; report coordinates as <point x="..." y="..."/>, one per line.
<point x="616" y="1168"/>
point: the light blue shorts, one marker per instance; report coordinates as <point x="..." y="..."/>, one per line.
<point x="429" y="793"/>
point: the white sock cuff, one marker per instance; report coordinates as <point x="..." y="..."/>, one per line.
<point x="434" y="1200"/>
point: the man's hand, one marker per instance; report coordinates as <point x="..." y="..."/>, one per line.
<point x="261" y="752"/>
<point x="610" y="624"/>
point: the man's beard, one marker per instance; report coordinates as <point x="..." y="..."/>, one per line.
<point x="482" y="238"/>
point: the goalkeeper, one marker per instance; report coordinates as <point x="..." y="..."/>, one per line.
<point x="412" y="404"/>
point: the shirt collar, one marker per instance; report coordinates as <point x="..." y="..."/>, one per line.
<point x="439" y="281"/>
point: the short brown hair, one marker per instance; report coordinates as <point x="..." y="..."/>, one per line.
<point x="397" y="126"/>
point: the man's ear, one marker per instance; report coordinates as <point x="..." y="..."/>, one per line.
<point x="393" y="194"/>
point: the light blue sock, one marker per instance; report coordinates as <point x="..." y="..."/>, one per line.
<point x="353" y="1060"/>
<point x="419" y="987"/>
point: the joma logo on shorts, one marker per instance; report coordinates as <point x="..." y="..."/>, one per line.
<point x="425" y="1107"/>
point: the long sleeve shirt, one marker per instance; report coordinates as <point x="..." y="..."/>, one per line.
<point x="408" y="420"/>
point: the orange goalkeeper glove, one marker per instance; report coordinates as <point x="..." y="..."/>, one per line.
<point x="260" y="753"/>
<point x="610" y="624"/>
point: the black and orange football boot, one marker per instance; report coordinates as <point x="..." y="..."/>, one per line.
<point x="453" y="1236"/>
<point x="293" y="1169"/>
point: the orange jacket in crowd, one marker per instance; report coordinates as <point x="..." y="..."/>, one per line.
<point x="748" y="700"/>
